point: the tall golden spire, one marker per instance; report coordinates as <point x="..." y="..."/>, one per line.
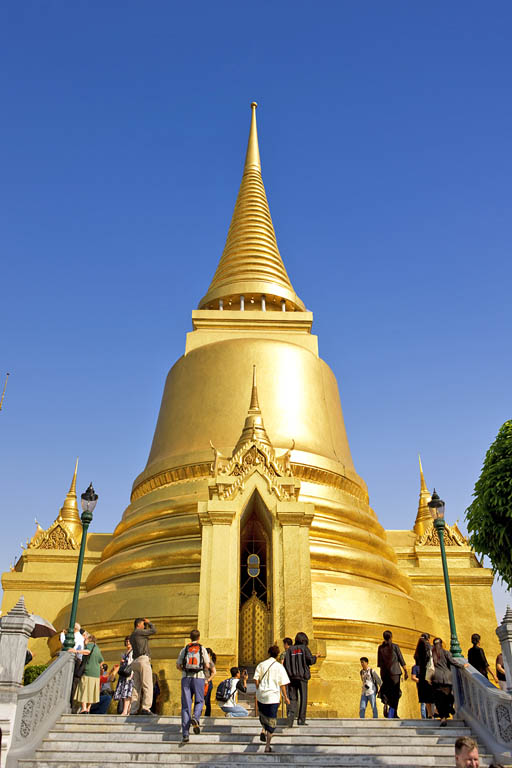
<point x="251" y="265"/>
<point x="424" y="516"/>
<point x="69" y="510"/>
<point x="254" y="429"/>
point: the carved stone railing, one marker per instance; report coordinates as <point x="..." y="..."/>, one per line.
<point x="39" y="706"/>
<point x="486" y="709"/>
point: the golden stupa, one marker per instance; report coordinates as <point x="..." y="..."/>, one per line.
<point x="249" y="520"/>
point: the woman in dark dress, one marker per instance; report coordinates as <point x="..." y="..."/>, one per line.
<point x="476" y="658"/>
<point x="442" y="680"/>
<point x="391" y="662"/>
<point x="422" y="657"/>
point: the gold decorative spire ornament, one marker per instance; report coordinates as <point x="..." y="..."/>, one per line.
<point x="66" y="530"/>
<point x="423" y="517"/>
<point x="254" y="429"/>
<point x="69" y="510"/>
<point x="3" y="393"/>
<point x="251" y="273"/>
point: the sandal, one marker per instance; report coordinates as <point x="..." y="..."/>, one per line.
<point x="268" y="749"/>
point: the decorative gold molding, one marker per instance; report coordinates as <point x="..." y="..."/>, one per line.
<point x="229" y="474"/>
<point x="171" y="477"/>
<point x="332" y="479"/>
<point x="201" y="471"/>
<point x="295" y="517"/>
<point x="56" y="537"/>
<point x="452" y="537"/>
<point x="216" y="517"/>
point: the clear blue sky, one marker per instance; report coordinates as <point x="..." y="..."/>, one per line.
<point x="385" y="133"/>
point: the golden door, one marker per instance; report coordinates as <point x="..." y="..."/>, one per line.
<point x="254" y="631"/>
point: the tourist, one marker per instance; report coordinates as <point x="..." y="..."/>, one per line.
<point x="88" y="689"/>
<point x="78" y="646"/>
<point x="415" y="672"/>
<point x="391" y="662"/>
<point x="156" y="694"/>
<point x="500" y="672"/>
<point x="78" y="637"/>
<point x="271" y="680"/>
<point x="208" y="686"/>
<point x="371" y="683"/>
<point x="476" y="657"/>
<point x="442" y="680"/>
<point x="287" y="643"/>
<point x="466" y="752"/>
<point x="102" y="706"/>
<point x="124" y="689"/>
<point x="236" y="683"/>
<point x="142" y="691"/>
<point x="194" y="663"/>
<point x="424" y="673"/>
<point x="297" y="661"/>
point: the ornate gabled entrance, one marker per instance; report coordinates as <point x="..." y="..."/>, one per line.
<point x="252" y="524"/>
<point x="255" y="583"/>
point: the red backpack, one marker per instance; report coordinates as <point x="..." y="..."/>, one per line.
<point x="193" y="661"/>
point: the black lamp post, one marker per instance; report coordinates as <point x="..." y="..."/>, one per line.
<point x="437" y="506"/>
<point x="89" y="499"/>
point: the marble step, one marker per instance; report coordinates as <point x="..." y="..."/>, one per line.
<point x="236" y="734"/>
<point x="151" y="737"/>
<point x="251" y="725"/>
<point x="199" y="746"/>
<point x="243" y="722"/>
<point x="252" y="761"/>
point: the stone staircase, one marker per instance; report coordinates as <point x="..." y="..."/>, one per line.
<point x="101" y="741"/>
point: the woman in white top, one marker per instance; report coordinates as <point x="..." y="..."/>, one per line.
<point x="271" y="680"/>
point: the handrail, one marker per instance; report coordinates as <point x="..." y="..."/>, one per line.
<point x="486" y="709"/>
<point x="39" y="706"/>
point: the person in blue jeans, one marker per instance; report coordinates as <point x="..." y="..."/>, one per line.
<point x="194" y="663"/>
<point x="238" y="683"/>
<point x="415" y="677"/>
<point x="371" y="683"/>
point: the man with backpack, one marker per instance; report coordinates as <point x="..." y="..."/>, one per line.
<point x="227" y="693"/>
<point x="297" y="661"/>
<point x="194" y="662"/>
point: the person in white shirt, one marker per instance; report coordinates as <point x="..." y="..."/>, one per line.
<point x="371" y="684"/>
<point x="238" y="683"/>
<point x="271" y="680"/>
<point x="79" y="640"/>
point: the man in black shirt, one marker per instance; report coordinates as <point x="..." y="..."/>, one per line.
<point x="297" y="661"/>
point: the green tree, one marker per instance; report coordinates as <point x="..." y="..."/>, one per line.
<point x="489" y="516"/>
<point x="32" y="673"/>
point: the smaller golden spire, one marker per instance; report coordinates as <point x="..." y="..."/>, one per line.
<point x="423" y="516"/>
<point x="254" y="429"/>
<point x="69" y="510"/>
<point x="423" y="485"/>
<point x="3" y="393"/>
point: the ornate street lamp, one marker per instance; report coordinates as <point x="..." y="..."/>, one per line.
<point x="89" y="499"/>
<point x="437" y="510"/>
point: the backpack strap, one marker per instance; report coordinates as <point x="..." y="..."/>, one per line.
<point x="265" y="673"/>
